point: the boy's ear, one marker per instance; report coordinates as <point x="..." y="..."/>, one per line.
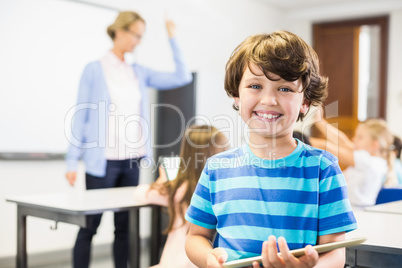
<point x="305" y="105"/>
<point x="237" y="101"/>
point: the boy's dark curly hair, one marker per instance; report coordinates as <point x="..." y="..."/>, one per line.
<point x="282" y="53"/>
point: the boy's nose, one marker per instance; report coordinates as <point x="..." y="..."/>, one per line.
<point x="269" y="98"/>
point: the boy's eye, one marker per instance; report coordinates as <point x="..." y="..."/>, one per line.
<point x="255" y="86"/>
<point x="285" y="89"/>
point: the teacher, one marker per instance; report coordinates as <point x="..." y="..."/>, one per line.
<point x="111" y="126"/>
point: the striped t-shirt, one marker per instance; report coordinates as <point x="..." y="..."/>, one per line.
<point x="246" y="199"/>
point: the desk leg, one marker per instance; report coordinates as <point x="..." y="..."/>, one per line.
<point x="135" y="251"/>
<point x="21" y="239"/>
<point x="155" y="235"/>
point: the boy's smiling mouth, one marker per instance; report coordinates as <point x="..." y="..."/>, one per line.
<point x="270" y="116"/>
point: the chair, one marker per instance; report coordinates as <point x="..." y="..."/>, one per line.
<point x="388" y="195"/>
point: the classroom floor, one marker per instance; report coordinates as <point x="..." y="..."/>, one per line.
<point x="101" y="262"/>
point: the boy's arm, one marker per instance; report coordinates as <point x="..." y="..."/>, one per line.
<point x="334" y="258"/>
<point x="199" y="248"/>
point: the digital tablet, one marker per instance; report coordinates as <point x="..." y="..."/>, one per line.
<point x="299" y="252"/>
<point x="171" y="165"/>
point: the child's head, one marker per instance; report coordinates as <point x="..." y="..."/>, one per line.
<point x="373" y="136"/>
<point x="281" y="53"/>
<point x="198" y="143"/>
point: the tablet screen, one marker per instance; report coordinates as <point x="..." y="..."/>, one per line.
<point x="171" y="165"/>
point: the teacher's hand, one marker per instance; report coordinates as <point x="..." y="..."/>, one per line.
<point x="171" y="28"/>
<point x="71" y="177"/>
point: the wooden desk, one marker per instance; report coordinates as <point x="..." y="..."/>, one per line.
<point x="383" y="247"/>
<point x="73" y="208"/>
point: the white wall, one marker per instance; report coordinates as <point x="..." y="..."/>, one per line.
<point x="45" y="47"/>
<point x="208" y="31"/>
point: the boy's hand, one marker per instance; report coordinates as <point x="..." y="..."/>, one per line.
<point x="270" y="257"/>
<point x="217" y="257"/>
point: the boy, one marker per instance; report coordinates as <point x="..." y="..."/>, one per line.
<point x="274" y="186"/>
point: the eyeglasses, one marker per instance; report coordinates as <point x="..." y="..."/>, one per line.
<point x="135" y="35"/>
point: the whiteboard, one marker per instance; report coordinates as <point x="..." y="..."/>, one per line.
<point x="44" y="47"/>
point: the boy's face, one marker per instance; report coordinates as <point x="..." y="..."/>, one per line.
<point x="269" y="108"/>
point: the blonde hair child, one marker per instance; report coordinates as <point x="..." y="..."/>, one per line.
<point x="366" y="159"/>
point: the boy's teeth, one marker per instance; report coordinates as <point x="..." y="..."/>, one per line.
<point x="268" y="116"/>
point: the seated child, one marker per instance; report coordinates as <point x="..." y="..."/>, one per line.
<point x="275" y="187"/>
<point x="198" y="143"/>
<point x="367" y="160"/>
